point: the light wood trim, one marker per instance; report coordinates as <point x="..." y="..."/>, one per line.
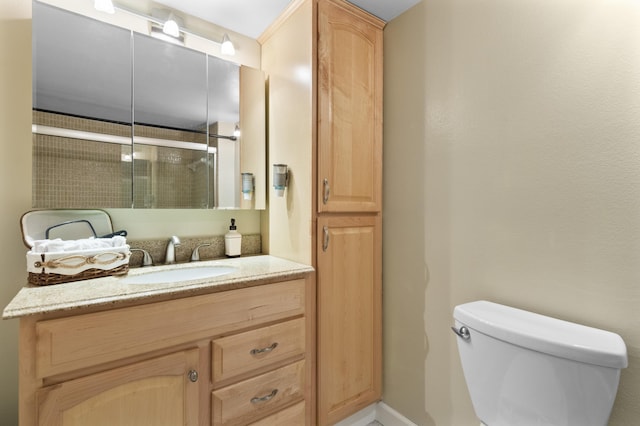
<point x="232" y="355"/>
<point x="163" y="373"/>
<point x="354" y="10"/>
<point x="311" y="355"/>
<point x="72" y="343"/>
<point x="292" y="416"/>
<point x="349" y="316"/>
<point x="28" y="383"/>
<point x="232" y="405"/>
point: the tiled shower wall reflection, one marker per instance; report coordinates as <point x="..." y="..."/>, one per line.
<point x="74" y="173"/>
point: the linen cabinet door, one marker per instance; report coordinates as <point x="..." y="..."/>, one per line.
<point x="159" y="391"/>
<point x="349" y="315"/>
<point x="349" y="109"/>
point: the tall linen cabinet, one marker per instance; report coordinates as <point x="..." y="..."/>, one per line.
<point x="349" y="187"/>
<point x="330" y="135"/>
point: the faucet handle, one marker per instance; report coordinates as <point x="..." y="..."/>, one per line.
<point x="147" y="260"/>
<point x="195" y="256"/>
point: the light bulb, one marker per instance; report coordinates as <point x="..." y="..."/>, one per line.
<point x="227" y="47"/>
<point x="171" y="28"/>
<point x="104" y="6"/>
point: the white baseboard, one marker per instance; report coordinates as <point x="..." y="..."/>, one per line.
<point x="361" y="418"/>
<point x="380" y="412"/>
<point x="390" y="417"/>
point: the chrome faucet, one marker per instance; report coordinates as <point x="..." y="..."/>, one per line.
<point x="146" y="257"/>
<point x="170" y="257"/>
<point x="195" y="255"/>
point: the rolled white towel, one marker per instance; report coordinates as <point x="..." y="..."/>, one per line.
<point x="58" y="245"/>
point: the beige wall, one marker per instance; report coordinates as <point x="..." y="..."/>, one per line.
<point x="512" y="173"/>
<point x="15" y="181"/>
<point x="287" y="60"/>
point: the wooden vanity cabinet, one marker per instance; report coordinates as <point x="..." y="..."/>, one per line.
<point x="234" y="357"/>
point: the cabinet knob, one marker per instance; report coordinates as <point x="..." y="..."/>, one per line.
<point x="327" y="191"/>
<point x="264" y="350"/>
<point x="259" y="399"/>
<point x="193" y="375"/>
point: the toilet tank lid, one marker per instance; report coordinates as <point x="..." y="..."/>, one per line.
<point x="544" y="334"/>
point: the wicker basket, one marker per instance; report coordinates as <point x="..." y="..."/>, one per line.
<point x="70" y="224"/>
<point x="61" y="267"/>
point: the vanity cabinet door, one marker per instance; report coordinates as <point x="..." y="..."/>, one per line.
<point x="160" y="391"/>
<point x="349" y="315"/>
<point x="349" y="109"/>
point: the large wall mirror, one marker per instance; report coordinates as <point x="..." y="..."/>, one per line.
<point x="121" y="119"/>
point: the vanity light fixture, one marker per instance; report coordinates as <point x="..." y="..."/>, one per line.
<point x="166" y="25"/>
<point x="227" y="47"/>
<point x="104" y="6"/>
<point x="157" y="31"/>
<point x="171" y="27"/>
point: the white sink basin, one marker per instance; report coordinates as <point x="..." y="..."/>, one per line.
<point x="179" y="275"/>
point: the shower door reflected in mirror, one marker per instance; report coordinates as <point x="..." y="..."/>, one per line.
<point x="81" y="111"/>
<point x="171" y="160"/>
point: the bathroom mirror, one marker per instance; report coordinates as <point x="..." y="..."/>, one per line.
<point x="121" y="120"/>
<point x="170" y="125"/>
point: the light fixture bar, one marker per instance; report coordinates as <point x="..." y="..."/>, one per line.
<point x="226" y="46"/>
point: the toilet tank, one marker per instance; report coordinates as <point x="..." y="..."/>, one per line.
<point x="525" y="369"/>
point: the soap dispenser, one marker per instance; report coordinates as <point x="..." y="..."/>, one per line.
<point x="232" y="241"/>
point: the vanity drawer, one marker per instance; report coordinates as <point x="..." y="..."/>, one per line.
<point x="240" y="353"/>
<point x="72" y="343"/>
<point x="294" y="415"/>
<point x="258" y="397"/>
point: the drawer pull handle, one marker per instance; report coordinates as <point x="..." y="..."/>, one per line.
<point x="257" y="400"/>
<point x="325" y="242"/>
<point x="327" y="191"/>
<point x="193" y="375"/>
<point x="264" y="350"/>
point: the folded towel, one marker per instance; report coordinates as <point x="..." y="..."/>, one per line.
<point x="58" y="245"/>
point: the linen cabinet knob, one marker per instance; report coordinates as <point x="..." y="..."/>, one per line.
<point x="325" y="242"/>
<point x="327" y="191"/>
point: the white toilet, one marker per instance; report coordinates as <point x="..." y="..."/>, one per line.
<point x="525" y="369"/>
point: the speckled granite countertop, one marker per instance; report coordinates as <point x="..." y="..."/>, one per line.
<point x="252" y="270"/>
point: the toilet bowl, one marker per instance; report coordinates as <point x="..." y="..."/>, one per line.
<point x="525" y="369"/>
